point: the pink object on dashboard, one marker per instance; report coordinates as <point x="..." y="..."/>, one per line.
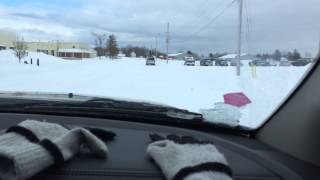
<point x="236" y="99"/>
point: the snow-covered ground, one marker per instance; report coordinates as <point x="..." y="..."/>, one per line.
<point x="191" y="88"/>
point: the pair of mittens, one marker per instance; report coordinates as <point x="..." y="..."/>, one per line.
<point x="32" y="146"/>
<point x="186" y="158"/>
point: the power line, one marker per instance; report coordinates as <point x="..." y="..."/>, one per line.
<point x="205" y="15"/>
<point x="202" y="14"/>
<point x="214" y="18"/>
<point x="198" y="13"/>
<point x="210" y="22"/>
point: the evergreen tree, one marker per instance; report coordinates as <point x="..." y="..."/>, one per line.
<point x="112" y="47"/>
<point x="265" y="56"/>
<point x="296" y="55"/>
<point x="211" y="56"/>
<point x="290" y="56"/>
<point x="277" y="55"/>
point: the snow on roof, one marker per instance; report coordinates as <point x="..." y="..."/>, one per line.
<point x="175" y="54"/>
<point x="232" y="56"/>
<point x="75" y="50"/>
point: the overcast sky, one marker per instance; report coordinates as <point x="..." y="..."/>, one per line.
<point x="267" y="25"/>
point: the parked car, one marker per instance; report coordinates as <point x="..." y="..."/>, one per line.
<point x="189" y="62"/>
<point x="285" y="63"/>
<point x="300" y="63"/>
<point x="221" y="63"/>
<point x="272" y="63"/>
<point x="206" y="62"/>
<point x="259" y="63"/>
<point x="150" y="61"/>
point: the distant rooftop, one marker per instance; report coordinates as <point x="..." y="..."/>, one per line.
<point x="232" y="56"/>
<point x="176" y="54"/>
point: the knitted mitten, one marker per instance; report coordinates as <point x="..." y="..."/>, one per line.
<point x="187" y="158"/>
<point x="32" y="146"/>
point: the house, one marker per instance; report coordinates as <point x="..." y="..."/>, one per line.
<point x="182" y="55"/>
<point x="177" y="56"/>
<point x="243" y="56"/>
<point x="121" y="54"/>
<point x="232" y="58"/>
<point x="133" y="54"/>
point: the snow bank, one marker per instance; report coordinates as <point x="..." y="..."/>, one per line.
<point x="222" y="114"/>
<point x="8" y="56"/>
<point x="191" y="88"/>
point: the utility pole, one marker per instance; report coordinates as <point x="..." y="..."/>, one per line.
<point x="239" y="37"/>
<point x="157" y="46"/>
<point x="168" y="41"/>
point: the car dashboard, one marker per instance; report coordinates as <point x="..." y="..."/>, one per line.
<point x="248" y="158"/>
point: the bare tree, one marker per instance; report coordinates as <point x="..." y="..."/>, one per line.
<point x="99" y="40"/>
<point x="20" y="48"/>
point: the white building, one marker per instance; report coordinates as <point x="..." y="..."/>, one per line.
<point x="66" y="50"/>
<point x="133" y="54"/>
<point x="230" y="57"/>
<point x="121" y="54"/>
<point x="6" y="40"/>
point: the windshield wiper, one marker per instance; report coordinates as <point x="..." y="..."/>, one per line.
<point x="102" y="107"/>
<point x="116" y="110"/>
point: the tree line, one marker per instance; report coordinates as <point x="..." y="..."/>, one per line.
<point x="106" y="45"/>
<point x="277" y="55"/>
<point x="141" y="51"/>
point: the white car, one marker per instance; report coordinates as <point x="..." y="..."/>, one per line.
<point x="189" y="63"/>
<point x="151" y="61"/>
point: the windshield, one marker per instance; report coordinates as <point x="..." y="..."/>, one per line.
<point x="260" y="50"/>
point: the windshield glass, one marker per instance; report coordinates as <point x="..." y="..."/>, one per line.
<point x="258" y="50"/>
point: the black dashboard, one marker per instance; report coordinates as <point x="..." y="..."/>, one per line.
<point x="248" y="158"/>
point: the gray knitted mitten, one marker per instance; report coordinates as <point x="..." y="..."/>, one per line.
<point x="189" y="159"/>
<point x="32" y="146"/>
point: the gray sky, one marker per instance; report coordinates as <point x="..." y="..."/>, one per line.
<point x="267" y="25"/>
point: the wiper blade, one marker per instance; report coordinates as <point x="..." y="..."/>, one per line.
<point x="104" y="106"/>
<point x="145" y="106"/>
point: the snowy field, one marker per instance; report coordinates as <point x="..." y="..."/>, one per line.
<point x="191" y="88"/>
